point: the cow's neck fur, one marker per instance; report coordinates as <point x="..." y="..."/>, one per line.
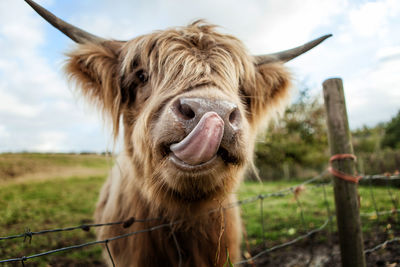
<point x="203" y="237"/>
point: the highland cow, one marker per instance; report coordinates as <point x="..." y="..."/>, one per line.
<point x="191" y="101"/>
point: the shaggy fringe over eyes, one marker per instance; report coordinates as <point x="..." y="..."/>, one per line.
<point x="182" y="58"/>
<point x="94" y="69"/>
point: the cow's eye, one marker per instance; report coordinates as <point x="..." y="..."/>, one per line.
<point x="142" y="76"/>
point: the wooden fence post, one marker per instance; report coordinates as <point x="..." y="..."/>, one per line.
<point x="346" y="195"/>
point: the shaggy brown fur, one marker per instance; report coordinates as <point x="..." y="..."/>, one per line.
<point x="137" y="82"/>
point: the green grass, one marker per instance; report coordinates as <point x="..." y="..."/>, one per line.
<point x="287" y="217"/>
<point x="48" y="205"/>
<point x="55" y="203"/>
<point x="19" y="164"/>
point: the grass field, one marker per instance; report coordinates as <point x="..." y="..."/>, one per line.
<point x="45" y="191"/>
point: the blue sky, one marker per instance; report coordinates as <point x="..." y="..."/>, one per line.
<point x="39" y="111"/>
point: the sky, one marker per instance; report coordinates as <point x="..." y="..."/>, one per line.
<point x="40" y="111"/>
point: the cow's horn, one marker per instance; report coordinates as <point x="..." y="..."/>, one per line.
<point x="285" y="56"/>
<point x="78" y="35"/>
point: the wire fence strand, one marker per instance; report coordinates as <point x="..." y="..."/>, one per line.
<point x="319" y="229"/>
<point x="84" y="227"/>
<point x="294" y="190"/>
<point x="382" y="245"/>
<point x="109" y="254"/>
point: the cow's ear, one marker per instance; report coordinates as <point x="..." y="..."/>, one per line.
<point x="95" y="69"/>
<point x="273" y="80"/>
<point x="270" y="92"/>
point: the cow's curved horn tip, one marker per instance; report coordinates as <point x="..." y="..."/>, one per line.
<point x="326" y="36"/>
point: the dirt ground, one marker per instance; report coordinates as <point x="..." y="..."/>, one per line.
<point x="310" y="254"/>
<point x="303" y="254"/>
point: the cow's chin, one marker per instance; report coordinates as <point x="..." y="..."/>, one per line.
<point x="185" y="167"/>
<point x="192" y="183"/>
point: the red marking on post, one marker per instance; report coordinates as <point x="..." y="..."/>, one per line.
<point x="342" y="175"/>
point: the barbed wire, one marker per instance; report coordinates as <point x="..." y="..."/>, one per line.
<point x="130" y="221"/>
<point x="382" y="245"/>
<point x="291" y="242"/>
<point x="105" y="241"/>
<point x="84" y="227"/>
<point x="381" y="177"/>
<point x="260" y="197"/>
<point x="283" y="192"/>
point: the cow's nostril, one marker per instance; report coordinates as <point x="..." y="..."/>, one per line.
<point x="234" y="116"/>
<point x="186" y="111"/>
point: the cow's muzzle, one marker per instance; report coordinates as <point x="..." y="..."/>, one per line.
<point x="211" y="126"/>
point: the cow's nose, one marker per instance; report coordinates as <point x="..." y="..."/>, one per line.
<point x="189" y="111"/>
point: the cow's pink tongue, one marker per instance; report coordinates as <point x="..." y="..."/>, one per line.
<point x="202" y="143"/>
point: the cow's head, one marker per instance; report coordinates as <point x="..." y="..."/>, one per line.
<point x="191" y="101"/>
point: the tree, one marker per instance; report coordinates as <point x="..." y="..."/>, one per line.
<point x="368" y="139"/>
<point x="391" y="137"/>
<point x="296" y="142"/>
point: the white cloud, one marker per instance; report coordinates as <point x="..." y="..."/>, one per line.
<point x="372" y="18"/>
<point x="3" y="132"/>
<point x="37" y="111"/>
<point x="291" y="23"/>
<point x="36" y="106"/>
<point x="369" y="19"/>
<point x="372" y="35"/>
<point x="51" y="141"/>
<point x="388" y="53"/>
<point x="262" y="25"/>
<point x="374" y="93"/>
<point x="20" y="32"/>
<point x="10" y="105"/>
<point x="365" y="52"/>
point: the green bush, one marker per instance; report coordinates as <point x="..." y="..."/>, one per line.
<point x="295" y="145"/>
<point x="392" y="133"/>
